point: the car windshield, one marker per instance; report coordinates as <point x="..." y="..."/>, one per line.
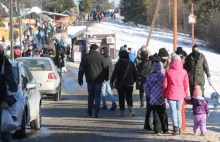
<point x="37" y="65"/>
<point x="15" y="72"/>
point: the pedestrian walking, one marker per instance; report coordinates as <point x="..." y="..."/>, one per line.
<point x="95" y="68"/>
<point x="106" y="84"/>
<point x="153" y="89"/>
<point x="142" y="77"/>
<point x="132" y="56"/>
<point x="180" y="54"/>
<point x="143" y="70"/>
<point x="175" y="87"/>
<point x="200" y="110"/>
<point x="196" y="65"/>
<point x="8" y="89"/>
<point x="124" y="76"/>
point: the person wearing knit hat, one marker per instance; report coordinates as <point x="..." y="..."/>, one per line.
<point x="200" y="110"/>
<point x="96" y="70"/>
<point x="174" y="56"/>
<point x="164" y="56"/>
<point x="154" y="89"/>
<point x="181" y="53"/>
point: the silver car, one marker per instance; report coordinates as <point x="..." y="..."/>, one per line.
<point x="46" y="74"/>
<point x="32" y="110"/>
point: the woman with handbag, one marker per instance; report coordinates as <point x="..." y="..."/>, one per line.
<point x="124" y="76"/>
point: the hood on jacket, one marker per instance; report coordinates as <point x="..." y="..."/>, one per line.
<point x="157" y="67"/>
<point x="144" y="55"/>
<point x="104" y="51"/>
<point x="176" y="64"/>
<point x="175" y="56"/>
<point x="155" y="57"/>
<point x="143" y="48"/>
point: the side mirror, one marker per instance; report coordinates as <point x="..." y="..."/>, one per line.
<point x="31" y="86"/>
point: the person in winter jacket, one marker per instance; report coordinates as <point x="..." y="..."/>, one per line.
<point x="181" y="53"/>
<point x="143" y="70"/>
<point x="164" y="57"/>
<point x="106" y="84"/>
<point x="8" y="89"/>
<point x="132" y="56"/>
<point x="200" y="110"/>
<point x="122" y="48"/>
<point x="175" y="86"/>
<point x="196" y="65"/>
<point x="154" y="89"/>
<point x="95" y="68"/>
<point x="174" y="56"/>
<point x="124" y="76"/>
<point x="138" y="60"/>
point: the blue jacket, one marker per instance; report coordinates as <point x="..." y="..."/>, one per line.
<point x="132" y="57"/>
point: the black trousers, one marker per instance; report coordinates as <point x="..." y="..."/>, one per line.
<point x="147" y="116"/>
<point x="141" y="94"/>
<point x="191" y="88"/>
<point x="125" y="92"/>
<point x="160" y="121"/>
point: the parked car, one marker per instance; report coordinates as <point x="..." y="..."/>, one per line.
<point x="32" y="107"/>
<point x="46" y="74"/>
<point x="17" y="51"/>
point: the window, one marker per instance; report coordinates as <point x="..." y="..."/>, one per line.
<point x="24" y="78"/>
<point x="37" y="64"/>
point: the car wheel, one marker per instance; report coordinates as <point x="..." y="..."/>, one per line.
<point x="22" y="132"/>
<point x="36" y="124"/>
<point x="56" y="96"/>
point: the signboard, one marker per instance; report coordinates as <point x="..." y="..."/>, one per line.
<point x="192" y="19"/>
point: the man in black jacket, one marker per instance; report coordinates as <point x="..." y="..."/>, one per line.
<point x="6" y="80"/>
<point x="95" y="68"/>
<point x="106" y="84"/>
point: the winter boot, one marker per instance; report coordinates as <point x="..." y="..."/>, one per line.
<point x="131" y="111"/>
<point x="104" y="108"/>
<point x="180" y="131"/>
<point x="175" y="131"/>
<point x="121" y="114"/>
<point x="113" y="107"/>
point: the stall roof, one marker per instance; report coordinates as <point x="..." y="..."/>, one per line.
<point x="53" y="13"/>
<point x="74" y="31"/>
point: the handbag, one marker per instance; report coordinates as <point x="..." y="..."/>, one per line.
<point x="118" y="85"/>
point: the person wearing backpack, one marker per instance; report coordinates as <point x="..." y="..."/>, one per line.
<point x="6" y="80"/>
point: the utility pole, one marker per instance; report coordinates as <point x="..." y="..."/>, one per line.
<point x="175" y="2"/>
<point x="192" y="10"/>
<point x="41" y="3"/>
<point x="11" y="32"/>
<point x="153" y="22"/>
<point x="19" y="11"/>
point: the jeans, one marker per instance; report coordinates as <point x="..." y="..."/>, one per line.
<point x="175" y="106"/>
<point x="94" y="90"/>
<point x="200" y="123"/>
<point x="125" y="92"/>
<point x="106" y="87"/>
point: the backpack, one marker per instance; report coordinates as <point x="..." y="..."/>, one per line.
<point x="144" y="69"/>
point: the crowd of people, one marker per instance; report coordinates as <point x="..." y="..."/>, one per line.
<point x="162" y="78"/>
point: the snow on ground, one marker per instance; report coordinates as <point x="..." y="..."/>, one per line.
<point x="136" y="36"/>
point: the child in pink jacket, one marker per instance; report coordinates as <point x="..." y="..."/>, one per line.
<point x="175" y="87"/>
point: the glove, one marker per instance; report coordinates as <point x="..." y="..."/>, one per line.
<point x="80" y="81"/>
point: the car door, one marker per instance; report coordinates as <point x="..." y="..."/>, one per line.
<point x="34" y="96"/>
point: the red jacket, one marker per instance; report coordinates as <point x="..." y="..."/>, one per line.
<point x="176" y="82"/>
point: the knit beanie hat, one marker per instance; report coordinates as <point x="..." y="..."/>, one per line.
<point x="179" y="51"/>
<point x="157" y="67"/>
<point x="124" y="55"/>
<point x="197" y="91"/>
<point x="163" y="52"/>
<point x="174" y="56"/>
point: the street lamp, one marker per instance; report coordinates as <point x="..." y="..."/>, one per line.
<point x="11" y="32"/>
<point x="174" y="25"/>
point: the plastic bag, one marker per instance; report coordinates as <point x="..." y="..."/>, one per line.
<point x="7" y="123"/>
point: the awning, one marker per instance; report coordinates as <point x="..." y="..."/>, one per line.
<point x="74" y="31"/>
